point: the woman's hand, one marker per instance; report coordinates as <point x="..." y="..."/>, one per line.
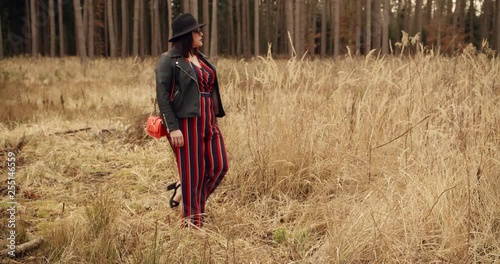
<point x="176" y="138"/>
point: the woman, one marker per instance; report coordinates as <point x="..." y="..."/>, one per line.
<point x="189" y="102"/>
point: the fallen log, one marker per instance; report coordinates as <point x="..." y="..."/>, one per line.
<point x="23" y="248"/>
<point x="73" y="131"/>
<point x="20" y="144"/>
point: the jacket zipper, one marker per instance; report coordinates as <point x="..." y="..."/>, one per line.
<point x="173" y="97"/>
<point x="175" y="94"/>
<point x="166" y="123"/>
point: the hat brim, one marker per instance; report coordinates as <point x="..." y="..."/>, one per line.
<point x="187" y="31"/>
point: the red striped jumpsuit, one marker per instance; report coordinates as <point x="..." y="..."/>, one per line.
<point x="202" y="161"/>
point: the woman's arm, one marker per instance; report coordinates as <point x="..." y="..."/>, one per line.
<point x="164" y="81"/>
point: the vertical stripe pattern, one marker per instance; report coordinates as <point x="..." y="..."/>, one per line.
<point x="202" y="161"/>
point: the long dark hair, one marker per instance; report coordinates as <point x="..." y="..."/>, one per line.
<point x="184" y="44"/>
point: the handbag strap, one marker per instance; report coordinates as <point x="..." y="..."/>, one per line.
<point x="155" y="103"/>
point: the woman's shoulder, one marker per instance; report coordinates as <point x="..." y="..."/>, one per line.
<point x="169" y="56"/>
<point x="171" y="53"/>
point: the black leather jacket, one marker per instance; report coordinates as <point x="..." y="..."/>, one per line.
<point x="177" y="89"/>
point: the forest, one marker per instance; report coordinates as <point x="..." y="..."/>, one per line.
<point x="123" y="28"/>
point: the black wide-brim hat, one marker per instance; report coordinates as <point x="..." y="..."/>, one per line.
<point x="184" y="24"/>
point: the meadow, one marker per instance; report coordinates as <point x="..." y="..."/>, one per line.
<point x="356" y="160"/>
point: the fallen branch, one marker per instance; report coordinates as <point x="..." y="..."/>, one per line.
<point x="72" y="131"/>
<point x="437" y="200"/>
<point x="23" y="248"/>
<point x="394" y="139"/>
<point x="17" y="148"/>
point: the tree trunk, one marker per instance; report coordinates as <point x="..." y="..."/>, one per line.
<point x="256" y="31"/>
<point x="298" y="32"/>
<point x="399" y="17"/>
<point x="85" y="20"/>
<point x="336" y="28"/>
<point x="312" y="27"/>
<point x="377" y="26"/>
<point x="455" y="29"/>
<point x="289" y="25"/>
<point x="248" y="40"/>
<point x="91" y="29"/>
<point x="1" y="38"/>
<point x="359" y="21"/>
<point x="485" y="22"/>
<point x="135" y="45"/>
<point x="351" y="17"/>
<point x="428" y="17"/>
<point x="124" y="28"/>
<point x="459" y="23"/>
<point x="213" y="44"/>
<point x="111" y="30"/>
<point x="100" y="29"/>
<point x="186" y="6"/>
<point x="385" y="27"/>
<point x="246" y="29"/>
<point x="169" y="20"/>
<point x="79" y="30"/>
<point x="331" y="15"/>
<point x="163" y="25"/>
<point x="461" y="15"/>
<point x="472" y="11"/>
<point x="106" y="30"/>
<point x="368" y="34"/>
<point x="45" y="34"/>
<point x="238" y="27"/>
<point x="497" y="29"/>
<point x="323" y="28"/>
<point x="278" y="27"/>
<point x="449" y="11"/>
<point x="152" y="26"/>
<point x="302" y="26"/>
<point x="28" y="26"/>
<point x="231" y="28"/>
<point x="269" y="25"/>
<point x="418" y="17"/>
<point x="34" y="29"/>
<point x="194" y="8"/>
<point x="298" y="20"/>
<point x="142" y="30"/>
<point x="52" y="29"/>
<point x="116" y="26"/>
<point x="407" y="16"/>
<point x="155" y="29"/>
<point x="439" y="19"/>
<point x="206" y="32"/>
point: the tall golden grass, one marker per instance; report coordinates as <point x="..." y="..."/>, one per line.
<point x="358" y="160"/>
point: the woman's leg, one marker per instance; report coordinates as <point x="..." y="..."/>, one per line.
<point x="217" y="163"/>
<point x="215" y="155"/>
<point x="191" y="166"/>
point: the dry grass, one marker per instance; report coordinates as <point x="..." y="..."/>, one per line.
<point x="308" y="182"/>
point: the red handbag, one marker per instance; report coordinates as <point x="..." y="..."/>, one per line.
<point x="154" y="124"/>
<point x="155" y="128"/>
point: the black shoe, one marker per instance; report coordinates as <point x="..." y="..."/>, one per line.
<point x="174" y="186"/>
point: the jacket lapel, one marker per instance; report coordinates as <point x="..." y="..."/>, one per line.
<point x="183" y="64"/>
